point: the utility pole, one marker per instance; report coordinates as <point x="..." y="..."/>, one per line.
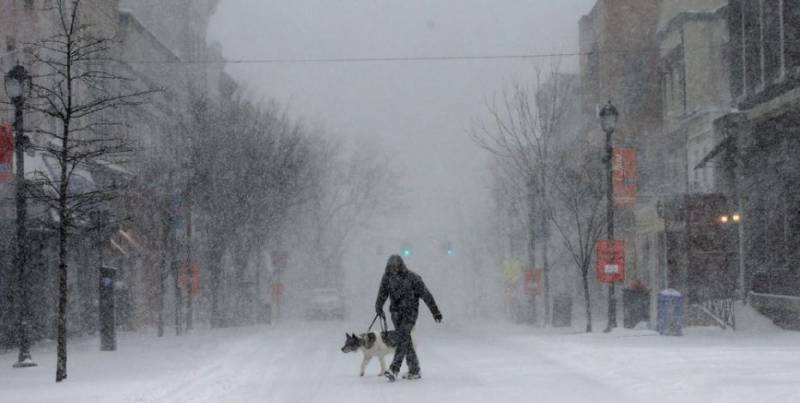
<point x="608" y="120"/>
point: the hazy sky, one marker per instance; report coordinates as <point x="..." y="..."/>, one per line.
<point x="421" y="110"/>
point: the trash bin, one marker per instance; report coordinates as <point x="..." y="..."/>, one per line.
<point x="529" y="312"/>
<point x="108" y="324"/>
<point x="562" y="311"/>
<point x="670" y="313"/>
<point x="635" y="306"/>
<point x="265" y="314"/>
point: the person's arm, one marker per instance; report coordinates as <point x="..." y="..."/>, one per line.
<point x="427" y="297"/>
<point x="383" y="294"/>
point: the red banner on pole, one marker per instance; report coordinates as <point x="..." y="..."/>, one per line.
<point x="610" y="261"/>
<point x="278" y="293"/>
<point x="532" y="282"/>
<point x="6" y="153"/>
<point x="624" y="177"/>
<point x="193" y="273"/>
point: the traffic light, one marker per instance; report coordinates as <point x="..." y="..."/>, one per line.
<point x="447" y="248"/>
<point x="407" y="251"/>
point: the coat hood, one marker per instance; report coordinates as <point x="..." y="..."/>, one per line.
<point x="396" y="265"/>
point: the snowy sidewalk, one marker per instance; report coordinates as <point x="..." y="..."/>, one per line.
<point x="495" y="363"/>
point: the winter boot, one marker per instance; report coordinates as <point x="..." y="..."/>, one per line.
<point x="412" y="376"/>
<point x="390" y="375"/>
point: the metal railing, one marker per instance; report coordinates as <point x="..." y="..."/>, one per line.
<point x="721" y="311"/>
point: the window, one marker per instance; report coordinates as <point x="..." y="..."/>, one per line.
<point x="11" y="43"/>
<point x="752" y="51"/>
<point x="734" y="52"/>
<point x="791" y="27"/>
<point x="29" y="4"/>
<point x="772" y="40"/>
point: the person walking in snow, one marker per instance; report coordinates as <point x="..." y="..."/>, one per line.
<point x="404" y="289"/>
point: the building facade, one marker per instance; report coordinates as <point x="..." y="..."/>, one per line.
<point x="151" y="62"/>
<point x="619" y="63"/>
<point x="671" y="82"/>
<point x="758" y="143"/>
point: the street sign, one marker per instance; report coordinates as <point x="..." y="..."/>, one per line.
<point x="610" y="261"/>
<point x="512" y="271"/>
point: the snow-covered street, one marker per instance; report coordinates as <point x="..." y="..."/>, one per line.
<point x="302" y="362"/>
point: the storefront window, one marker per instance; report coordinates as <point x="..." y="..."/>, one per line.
<point x="791" y="26"/>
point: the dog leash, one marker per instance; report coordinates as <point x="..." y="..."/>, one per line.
<point x="373" y="323"/>
<point x="384" y="325"/>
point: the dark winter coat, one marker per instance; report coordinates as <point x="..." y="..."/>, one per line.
<point x="404" y="289"/>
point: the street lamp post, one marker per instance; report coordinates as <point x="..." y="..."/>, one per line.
<point x="18" y="85"/>
<point x="608" y="120"/>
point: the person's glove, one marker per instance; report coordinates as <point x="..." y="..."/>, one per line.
<point x="380" y="313"/>
<point x="437" y="317"/>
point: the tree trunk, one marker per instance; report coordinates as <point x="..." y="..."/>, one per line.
<point x="585" y="276"/>
<point x="175" y="270"/>
<point x="215" y="268"/>
<point x="545" y="252"/>
<point x="61" y="331"/>
<point x="189" y="267"/>
<point x="546" y="278"/>
<point x="532" y="225"/>
<point x="241" y="300"/>
<point x="162" y="286"/>
<point x="258" y="298"/>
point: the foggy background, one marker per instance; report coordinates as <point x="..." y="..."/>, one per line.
<point x="420" y="111"/>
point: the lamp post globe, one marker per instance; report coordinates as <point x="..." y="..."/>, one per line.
<point x="608" y="117"/>
<point x="17" y="83"/>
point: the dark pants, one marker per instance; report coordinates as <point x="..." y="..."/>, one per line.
<point x="405" y="348"/>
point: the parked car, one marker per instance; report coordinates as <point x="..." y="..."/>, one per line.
<point x="325" y="303"/>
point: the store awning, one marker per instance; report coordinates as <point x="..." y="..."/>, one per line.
<point x="722" y="146"/>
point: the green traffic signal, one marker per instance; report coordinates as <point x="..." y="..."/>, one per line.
<point x="406" y="249"/>
<point x="447" y="248"/>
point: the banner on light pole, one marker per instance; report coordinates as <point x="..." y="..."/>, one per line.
<point x="532" y="282"/>
<point x="624" y="178"/>
<point x="6" y="153"/>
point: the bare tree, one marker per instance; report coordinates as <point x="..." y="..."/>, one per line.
<point x="78" y="89"/>
<point x="579" y="216"/>
<point x="350" y="189"/>
<point x="522" y="128"/>
<point x="510" y="196"/>
<point x="249" y="168"/>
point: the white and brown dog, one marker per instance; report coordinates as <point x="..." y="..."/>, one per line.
<point x="371" y="345"/>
